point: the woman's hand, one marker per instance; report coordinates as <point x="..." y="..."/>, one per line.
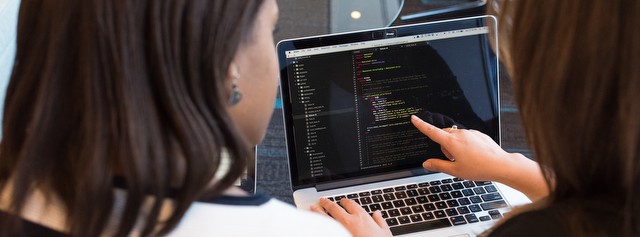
<point x="475" y="156"/>
<point x="354" y="218"/>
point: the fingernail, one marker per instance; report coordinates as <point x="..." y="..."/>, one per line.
<point x="427" y="164"/>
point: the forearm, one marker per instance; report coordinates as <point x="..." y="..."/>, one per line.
<point x="525" y="176"/>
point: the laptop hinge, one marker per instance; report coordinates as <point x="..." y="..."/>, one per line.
<point x="371" y="179"/>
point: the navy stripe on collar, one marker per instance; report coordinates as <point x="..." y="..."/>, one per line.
<point x="251" y="200"/>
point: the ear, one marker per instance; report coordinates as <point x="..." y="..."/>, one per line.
<point x="233" y="73"/>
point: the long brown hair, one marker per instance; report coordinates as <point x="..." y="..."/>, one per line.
<point x="575" y="73"/>
<point x="126" y="88"/>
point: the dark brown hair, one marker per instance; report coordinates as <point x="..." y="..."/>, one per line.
<point x="575" y="73"/>
<point x="126" y="88"/>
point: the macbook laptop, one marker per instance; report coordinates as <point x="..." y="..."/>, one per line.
<point x="347" y="101"/>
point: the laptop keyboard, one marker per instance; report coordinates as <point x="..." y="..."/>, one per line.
<point x="431" y="205"/>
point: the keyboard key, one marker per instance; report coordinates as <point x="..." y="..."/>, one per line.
<point x="479" y="190"/>
<point x="482" y="183"/>
<point x="458" y="220"/>
<point x="412" y="193"/>
<point x="445" y="196"/>
<point x="495" y="214"/>
<point x="400" y="188"/>
<point x="410" y="201"/>
<point x="377" y="198"/>
<point x="386" y="205"/>
<point x="456" y="194"/>
<point x="471" y="218"/>
<point x="420" y="226"/>
<point x="352" y="196"/>
<point x="491" y="189"/>
<point x="456" y="179"/>
<point x="401" y="195"/>
<point x="331" y="199"/>
<point x="425" y="184"/>
<point x="404" y="220"/>
<point x="446" y="188"/>
<point x="463" y="210"/>
<point x="493" y="205"/>
<point x="451" y="212"/>
<point x="435" y="182"/>
<point x="376" y="192"/>
<point x="394" y="212"/>
<point x="422" y="199"/>
<point x="429" y="207"/>
<point x="412" y="186"/>
<point x="384" y="214"/>
<point x="415" y="217"/>
<point x="491" y="197"/>
<point x="475" y="199"/>
<point x="417" y="209"/>
<point x="388" y="190"/>
<point x="375" y="207"/>
<point x="439" y="214"/>
<point x="453" y="203"/>
<point x="468" y="184"/>
<point x="475" y="208"/>
<point x="464" y="201"/>
<point x="366" y="200"/>
<point x="392" y="221"/>
<point x="364" y="194"/>
<point x="398" y="203"/>
<point x="389" y="196"/>
<point x="338" y="198"/>
<point x="433" y="198"/>
<point x="428" y="216"/>
<point x="423" y="191"/>
<point x="468" y="192"/>
<point x="366" y="208"/>
<point x="447" y="181"/>
<point x="441" y="205"/>
<point x="485" y="218"/>
<point x="357" y="201"/>
<point x="434" y="189"/>
<point x="406" y="211"/>
<point x="457" y="186"/>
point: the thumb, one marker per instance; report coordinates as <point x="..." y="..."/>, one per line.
<point x="439" y="165"/>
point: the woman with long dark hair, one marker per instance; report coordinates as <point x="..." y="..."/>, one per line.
<point x="574" y="66"/>
<point x="119" y="115"/>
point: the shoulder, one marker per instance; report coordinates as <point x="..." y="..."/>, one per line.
<point x="257" y="215"/>
<point x="543" y="222"/>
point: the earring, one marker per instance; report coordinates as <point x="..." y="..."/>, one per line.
<point x="236" y="95"/>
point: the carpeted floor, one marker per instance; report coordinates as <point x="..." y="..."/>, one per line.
<point x="311" y="17"/>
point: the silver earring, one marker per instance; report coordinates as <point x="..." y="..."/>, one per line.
<point x="236" y="95"/>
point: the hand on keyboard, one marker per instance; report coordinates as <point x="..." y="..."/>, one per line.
<point x="351" y="215"/>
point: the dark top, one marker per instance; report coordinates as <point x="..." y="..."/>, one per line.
<point x="596" y="217"/>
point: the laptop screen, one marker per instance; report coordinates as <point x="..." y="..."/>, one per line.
<point x="348" y="98"/>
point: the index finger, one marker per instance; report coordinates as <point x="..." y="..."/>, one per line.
<point x="436" y="134"/>
<point x="335" y="210"/>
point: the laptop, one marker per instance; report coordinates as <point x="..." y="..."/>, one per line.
<point x="347" y="100"/>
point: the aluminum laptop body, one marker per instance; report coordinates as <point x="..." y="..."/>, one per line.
<point x="347" y="100"/>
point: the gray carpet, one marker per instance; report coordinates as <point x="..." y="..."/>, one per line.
<point x="311" y="17"/>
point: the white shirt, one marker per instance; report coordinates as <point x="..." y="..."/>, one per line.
<point x="256" y="215"/>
